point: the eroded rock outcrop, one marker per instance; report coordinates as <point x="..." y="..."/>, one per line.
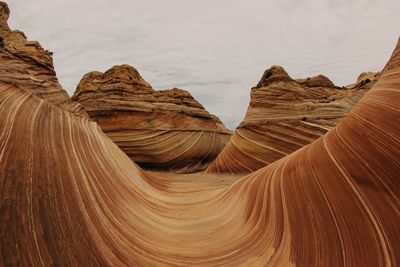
<point x="284" y="115"/>
<point x="165" y="129"/>
<point x="70" y="197"/>
<point x="26" y="64"/>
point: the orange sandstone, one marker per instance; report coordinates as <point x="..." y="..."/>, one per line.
<point x="284" y="115"/>
<point x="164" y="129"/>
<point x="70" y="197"/>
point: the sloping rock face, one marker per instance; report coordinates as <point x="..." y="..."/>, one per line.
<point x="284" y="115"/>
<point x="26" y="64"/>
<point x="163" y="130"/>
<point x="70" y="197"/>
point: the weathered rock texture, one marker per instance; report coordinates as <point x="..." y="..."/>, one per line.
<point x="26" y="64"/>
<point x="70" y="197"/>
<point x="165" y="129"/>
<point x="284" y="115"/>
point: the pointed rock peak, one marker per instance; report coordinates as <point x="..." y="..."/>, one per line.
<point x="27" y="65"/>
<point x="273" y="74"/>
<point x="16" y="43"/>
<point x="317" y="81"/>
<point x="4" y="14"/>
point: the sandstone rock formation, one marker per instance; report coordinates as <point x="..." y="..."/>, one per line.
<point x="165" y="129"/>
<point x="26" y="64"/>
<point x="70" y="197"/>
<point x="284" y="115"/>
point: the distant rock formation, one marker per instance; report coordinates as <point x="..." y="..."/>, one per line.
<point x="284" y="115"/>
<point x="163" y="130"/>
<point x="365" y="81"/>
<point x="26" y="64"/>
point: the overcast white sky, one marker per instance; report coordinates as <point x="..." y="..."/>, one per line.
<point x="216" y="49"/>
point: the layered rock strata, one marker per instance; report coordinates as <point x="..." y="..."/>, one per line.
<point x="70" y="196"/>
<point x="284" y="115"/>
<point x="164" y="130"/>
<point x="26" y="64"/>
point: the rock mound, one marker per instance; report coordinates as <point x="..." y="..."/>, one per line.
<point x="158" y="129"/>
<point x="284" y="115"/>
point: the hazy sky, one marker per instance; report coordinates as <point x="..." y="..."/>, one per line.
<point x="216" y="49"/>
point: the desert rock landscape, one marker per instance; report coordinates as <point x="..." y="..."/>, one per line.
<point x="323" y="170"/>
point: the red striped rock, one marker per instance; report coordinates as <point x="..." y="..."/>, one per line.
<point x="70" y="197"/>
<point x="165" y="129"/>
<point x="284" y="115"/>
<point x="26" y="64"/>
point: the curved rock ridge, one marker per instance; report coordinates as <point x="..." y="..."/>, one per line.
<point x="70" y="196"/>
<point x="25" y="63"/>
<point x="164" y="129"/>
<point x="284" y="115"/>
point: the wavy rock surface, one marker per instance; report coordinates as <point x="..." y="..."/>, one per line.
<point x="70" y="196"/>
<point x="26" y="64"/>
<point x="165" y="129"/>
<point x="284" y="115"/>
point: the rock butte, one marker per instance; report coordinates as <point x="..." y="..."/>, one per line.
<point x="284" y="115"/>
<point x="70" y="196"/>
<point x="165" y="129"/>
